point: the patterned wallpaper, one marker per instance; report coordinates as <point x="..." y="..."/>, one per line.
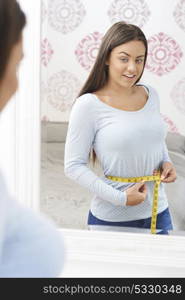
<point x="71" y="34"/>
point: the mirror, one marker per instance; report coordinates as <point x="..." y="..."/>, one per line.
<point x="71" y="35"/>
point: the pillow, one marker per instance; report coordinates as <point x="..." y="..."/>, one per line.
<point x="175" y="142"/>
<point x="54" y="132"/>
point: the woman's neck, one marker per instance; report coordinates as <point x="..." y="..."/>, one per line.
<point x="113" y="89"/>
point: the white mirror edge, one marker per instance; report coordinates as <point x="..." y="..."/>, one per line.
<point x="121" y="254"/>
<point x="27" y="112"/>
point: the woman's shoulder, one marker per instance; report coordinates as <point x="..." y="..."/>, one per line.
<point x="153" y="94"/>
<point x="149" y="88"/>
<point x="87" y="96"/>
<point x="85" y="101"/>
<point x="84" y="104"/>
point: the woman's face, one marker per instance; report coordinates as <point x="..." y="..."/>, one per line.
<point x="9" y="83"/>
<point x="126" y="63"/>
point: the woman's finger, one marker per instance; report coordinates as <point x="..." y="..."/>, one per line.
<point x="155" y="172"/>
<point x="165" y="174"/>
<point x="170" y="178"/>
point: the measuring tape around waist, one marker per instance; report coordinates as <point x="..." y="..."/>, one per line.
<point x="157" y="180"/>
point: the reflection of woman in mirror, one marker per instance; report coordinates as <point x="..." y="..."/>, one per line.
<point x="30" y="246"/>
<point x="118" y="119"/>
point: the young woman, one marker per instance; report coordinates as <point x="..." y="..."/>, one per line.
<point x="118" y="119"/>
<point x="30" y="245"/>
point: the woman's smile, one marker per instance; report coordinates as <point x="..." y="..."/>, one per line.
<point x="129" y="77"/>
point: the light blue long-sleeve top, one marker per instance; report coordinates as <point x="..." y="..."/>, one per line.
<point x="30" y="244"/>
<point x="126" y="143"/>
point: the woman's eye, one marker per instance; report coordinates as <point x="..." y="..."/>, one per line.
<point x="124" y="59"/>
<point x="139" y="61"/>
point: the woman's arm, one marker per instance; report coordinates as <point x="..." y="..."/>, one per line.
<point x="168" y="172"/>
<point x="166" y="157"/>
<point x="79" y="142"/>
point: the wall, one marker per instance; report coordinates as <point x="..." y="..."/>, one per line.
<point x="71" y="35"/>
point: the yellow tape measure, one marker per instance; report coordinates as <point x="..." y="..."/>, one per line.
<point x="157" y="180"/>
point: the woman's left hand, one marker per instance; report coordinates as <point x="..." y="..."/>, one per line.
<point x="168" y="172"/>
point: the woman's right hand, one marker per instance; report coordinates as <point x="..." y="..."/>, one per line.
<point x="136" y="194"/>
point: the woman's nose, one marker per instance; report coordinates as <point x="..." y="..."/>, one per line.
<point x="131" y="67"/>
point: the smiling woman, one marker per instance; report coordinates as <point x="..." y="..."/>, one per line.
<point x="125" y="62"/>
<point x="127" y="136"/>
<point x="125" y="65"/>
<point x="92" y="253"/>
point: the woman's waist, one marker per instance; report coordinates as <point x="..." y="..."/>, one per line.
<point x="130" y="173"/>
<point x="123" y="185"/>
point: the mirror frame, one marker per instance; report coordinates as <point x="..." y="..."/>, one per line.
<point x="27" y="111"/>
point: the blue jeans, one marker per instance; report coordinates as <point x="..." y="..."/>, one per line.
<point x="164" y="222"/>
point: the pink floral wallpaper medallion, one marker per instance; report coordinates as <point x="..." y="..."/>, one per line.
<point x="87" y="49"/>
<point x="63" y="88"/>
<point x="71" y="34"/>
<point x="131" y="11"/>
<point x="65" y="15"/>
<point x="46" y="52"/>
<point x="178" y="95"/>
<point x="171" y="126"/>
<point x="179" y="14"/>
<point x="164" y="54"/>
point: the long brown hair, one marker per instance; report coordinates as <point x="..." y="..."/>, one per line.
<point x="12" y="22"/>
<point x="118" y="34"/>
